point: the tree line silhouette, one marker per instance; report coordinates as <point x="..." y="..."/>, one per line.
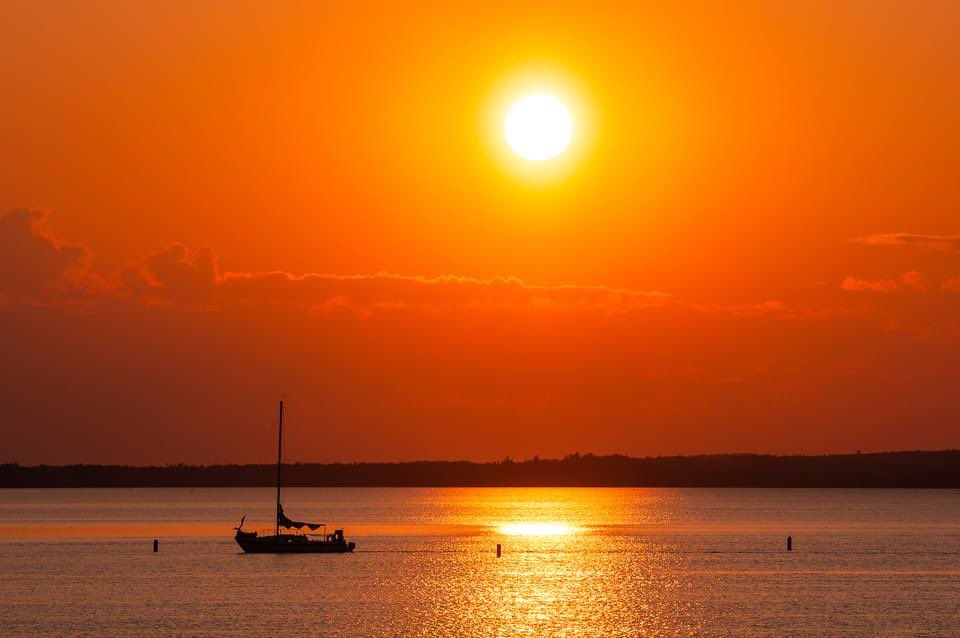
<point x="918" y="469"/>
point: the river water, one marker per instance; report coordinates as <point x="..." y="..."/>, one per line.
<point x="577" y="562"/>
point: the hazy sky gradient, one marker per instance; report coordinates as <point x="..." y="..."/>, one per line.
<point x="752" y="245"/>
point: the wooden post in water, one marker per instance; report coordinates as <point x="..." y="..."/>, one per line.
<point x="789" y="543"/>
<point x="499" y="550"/>
<point x="156" y="546"/>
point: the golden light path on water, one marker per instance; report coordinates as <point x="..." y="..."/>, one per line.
<point x="536" y="529"/>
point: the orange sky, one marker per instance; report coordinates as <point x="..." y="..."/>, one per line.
<point x="753" y="243"/>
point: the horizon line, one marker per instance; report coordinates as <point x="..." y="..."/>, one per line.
<point x="505" y="460"/>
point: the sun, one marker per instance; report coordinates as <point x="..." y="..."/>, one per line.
<point x="538" y="127"/>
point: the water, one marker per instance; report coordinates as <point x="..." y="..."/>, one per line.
<point x="579" y="562"/>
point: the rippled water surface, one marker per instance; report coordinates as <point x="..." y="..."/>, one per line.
<point x="591" y="562"/>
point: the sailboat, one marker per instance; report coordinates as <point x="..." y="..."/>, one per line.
<point x="287" y="542"/>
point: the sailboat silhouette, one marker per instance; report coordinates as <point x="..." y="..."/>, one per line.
<point x="291" y="542"/>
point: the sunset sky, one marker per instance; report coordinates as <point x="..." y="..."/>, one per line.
<point x="752" y="242"/>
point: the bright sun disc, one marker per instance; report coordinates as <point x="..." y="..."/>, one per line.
<point x="538" y="127"/>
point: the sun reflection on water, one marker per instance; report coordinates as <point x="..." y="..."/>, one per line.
<point x="536" y="529"/>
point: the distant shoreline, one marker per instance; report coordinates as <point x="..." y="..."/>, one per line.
<point x="914" y="469"/>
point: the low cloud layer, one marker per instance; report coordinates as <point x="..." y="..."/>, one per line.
<point x="34" y="263"/>
<point x="38" y="265"/>
<point x="912" y="280"/>
<point x="952" y="284"/>
<point x="927" y="242"/>
<point x="856" y="284"/>
<point x="177" y="274"/>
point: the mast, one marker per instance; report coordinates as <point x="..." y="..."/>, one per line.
<point x="279" y="460"/>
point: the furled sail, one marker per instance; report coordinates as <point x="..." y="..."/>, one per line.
<point x="286" y="522"/>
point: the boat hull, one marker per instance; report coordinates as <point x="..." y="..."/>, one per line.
<point x="290" y="544"/>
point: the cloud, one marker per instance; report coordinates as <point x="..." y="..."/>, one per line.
<point x="880" y="285"/>
<point x="912" y="280"/>
<point x="175" y="273"/>
<point x="952" y="284"/>
<point x="773" y="308"/>
<point x="179" y="275"/>
<point x="41" y="266"/>
<point x="927" y="242"/>
<point x="35" y="264"/>
<point x="383" y="290"/>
